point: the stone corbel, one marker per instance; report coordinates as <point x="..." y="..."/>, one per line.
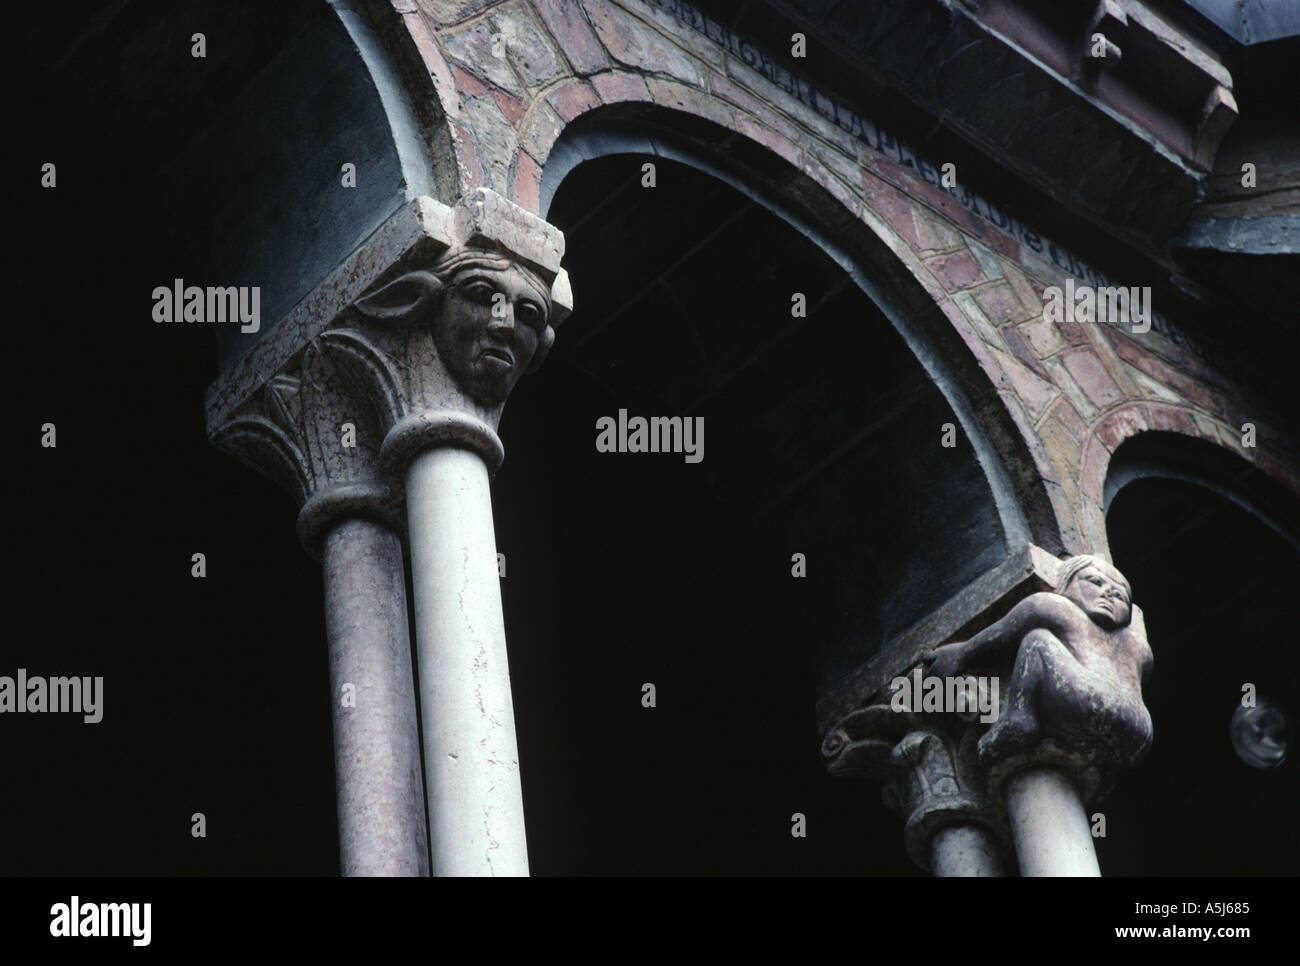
<point x="1069" y="651"/>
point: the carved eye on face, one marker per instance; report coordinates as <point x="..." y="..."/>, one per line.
<point x="530" y="314"/>
<point x="480" y="291"/>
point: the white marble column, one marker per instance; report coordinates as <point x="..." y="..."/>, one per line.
<point x="376" y="739"/>
<point x="1049" y="824"/>
<point x="443" y="344"/>
<point x="958" y="851"/>
<point x="475" y="802"/>
<point x="386" y="385"/>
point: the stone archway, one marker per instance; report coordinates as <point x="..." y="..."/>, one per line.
<point x="1212" y="546"/>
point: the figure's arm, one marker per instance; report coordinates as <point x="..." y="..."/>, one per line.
<point x="1036" y="610"/>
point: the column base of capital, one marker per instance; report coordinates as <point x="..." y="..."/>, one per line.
<point x="371" y="500"/>
<point x="1091" y="779"/>
<point x="439" y="427"/>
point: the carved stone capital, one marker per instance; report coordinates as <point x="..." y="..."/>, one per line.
<point x="937" y="782"/>
<point x="310" y="429"/>
<point x="1071" y="663"/>
<point x="416" y="340"/>
<point x="928" y="765"/>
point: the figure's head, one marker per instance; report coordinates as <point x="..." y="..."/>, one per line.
<point x="494" y="322"/>
<point x="1099" y="590"/>
<point x="489" y="317"/>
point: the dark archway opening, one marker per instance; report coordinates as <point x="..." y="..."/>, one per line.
<point x="221" y="170"/>
<point x="1212" y="579"/>
<point x="822" y="437"/>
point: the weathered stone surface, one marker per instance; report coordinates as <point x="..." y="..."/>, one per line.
<point x="1063" y="381"/>
<point x="1043" y="336"/>
<point x="966" y="302"/>
<point x="528" y="181"/>
<point x="1021" y="351"/>
<point x="473" y="794"/>
<point x="679" y="97"/>
<point x="1050" y="825"/>
<point x="1092" y="377"/>
<point x="999" y="303"/>
<point x="733" y="93"/>
<point x="1075" y="695"/>
<point x="957" y="272"/>
<point x="376" y="741"/>
<point x="936" y="785"/>
<point x="445" y="12"/>
<point x="769" y="138"/>
<point x="539" y="130"/>
<point x="1036" y="393"/>
<point x="481" y="50"/>
<point x="494" y="137"/>
<point x="629" y="42"/>
<point x="573" y="99"/>
<point x="569" y="27"/>
<point x="526" y="46"/>
<point x="1065" y="414"/>
<point x="1120" y="425"/>
<point x="989" y="264"/>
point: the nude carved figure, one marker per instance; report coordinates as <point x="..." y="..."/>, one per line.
<point x="1081" y="655"/>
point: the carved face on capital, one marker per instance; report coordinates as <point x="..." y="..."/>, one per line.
<point x="1102" y="594"/>
<point x="492" y="323"/>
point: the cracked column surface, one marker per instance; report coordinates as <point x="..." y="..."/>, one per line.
<point x="1050" y="825"/>
<point x="408" y="351"/>
<point x="475" y="802"/>
<point x="306" y="426"/>
<point x="446" y="337"/>
<point x="376" y="741"/>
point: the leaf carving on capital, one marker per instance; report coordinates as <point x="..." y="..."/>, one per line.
<point x="374" y="372"/>
<point x="319" y="424"/>
<point x="262" y="443"/>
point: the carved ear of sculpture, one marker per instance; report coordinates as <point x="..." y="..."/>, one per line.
<point x="544" y="343"/>
<point x="561" y="308"/>
<point x="412" y="297"/>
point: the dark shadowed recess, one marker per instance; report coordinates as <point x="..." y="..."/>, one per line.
<point x="243" y="148"/>
<point x="821" y="437"/>
<point x="1214" y="581"/>
<point x="216" y="689"/>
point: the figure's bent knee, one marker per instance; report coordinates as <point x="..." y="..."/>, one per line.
<point x="1040" y="646"/>
<point x="1041" y="639"/>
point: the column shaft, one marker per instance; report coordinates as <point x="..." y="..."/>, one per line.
<point x="964" y="850"/>
<point x="471" y="763"/>
<point x="1049" y="824"/>
<point x="376" y="742"/>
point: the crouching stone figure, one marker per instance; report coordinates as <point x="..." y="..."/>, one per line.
<point x="1081" y="655"/>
